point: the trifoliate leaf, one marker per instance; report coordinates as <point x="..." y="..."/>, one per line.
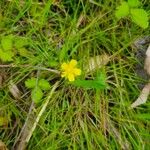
<point x="122" y="10"/>
<point x="6" y="42"/>
<point x="6" y="55"/>
<point x="20" y="42"/>
<point x="36" y="94"/>
<point x="140" y="17"/>
<point x="134" y="3"/>
<point x="43" y="84"/>
<point x="31" y="83"/>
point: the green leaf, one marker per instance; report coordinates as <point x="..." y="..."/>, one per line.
<point x="6" y="56"/>
<point x="36" y="94"/>
<point x="20" y="42"/>
<point x="6" y="42"/>
<point x="140" y="17"/>
<point x="122" y="10"/>
<point x="90" y="84"/>
<point x="134" y="3"/>
<point x="144" y="116"/>
<point x="31" y="83"/>
<point x="43" y="84"/>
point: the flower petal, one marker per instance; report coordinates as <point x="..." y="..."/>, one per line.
<point x="73" y="63"/>
<point x="77" y="71"/>
<point x="64" y="66"/>
<point x="71" y="77"/>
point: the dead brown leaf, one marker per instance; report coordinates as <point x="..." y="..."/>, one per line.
<point x="97" y="62"/>
<point x="147" y="61"/>
<point x="14" y="90"/>
<point x="143" y="96"/>
<point x="146" y="90"/>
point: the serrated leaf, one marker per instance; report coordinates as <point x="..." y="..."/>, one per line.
<point x="144" y="116"/>
<point x="134" y="3"/>
<point x="31" y="83"/>
<point x="20" y="42"/>
<point x="36" y="94"/>
<point x="6" y="42"/>
<point x="43" y="84"/>
<point x="6" y="56"/>
<point x="98" y="83"/>
<point x="122" y="10"/>
<point x="89" y="84"/>
<point x="140" y="17"/>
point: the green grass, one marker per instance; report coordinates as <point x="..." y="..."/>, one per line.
<point x="75" y="118"/>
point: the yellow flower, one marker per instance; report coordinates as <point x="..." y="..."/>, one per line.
<point x="69" y="70"/>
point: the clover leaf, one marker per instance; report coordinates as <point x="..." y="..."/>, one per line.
<point x="37" y="87"/>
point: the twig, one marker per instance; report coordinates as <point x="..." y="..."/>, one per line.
<point x="48" y="69"/>
<point x="7" y="66"/>
<point x="34" y="67"/>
